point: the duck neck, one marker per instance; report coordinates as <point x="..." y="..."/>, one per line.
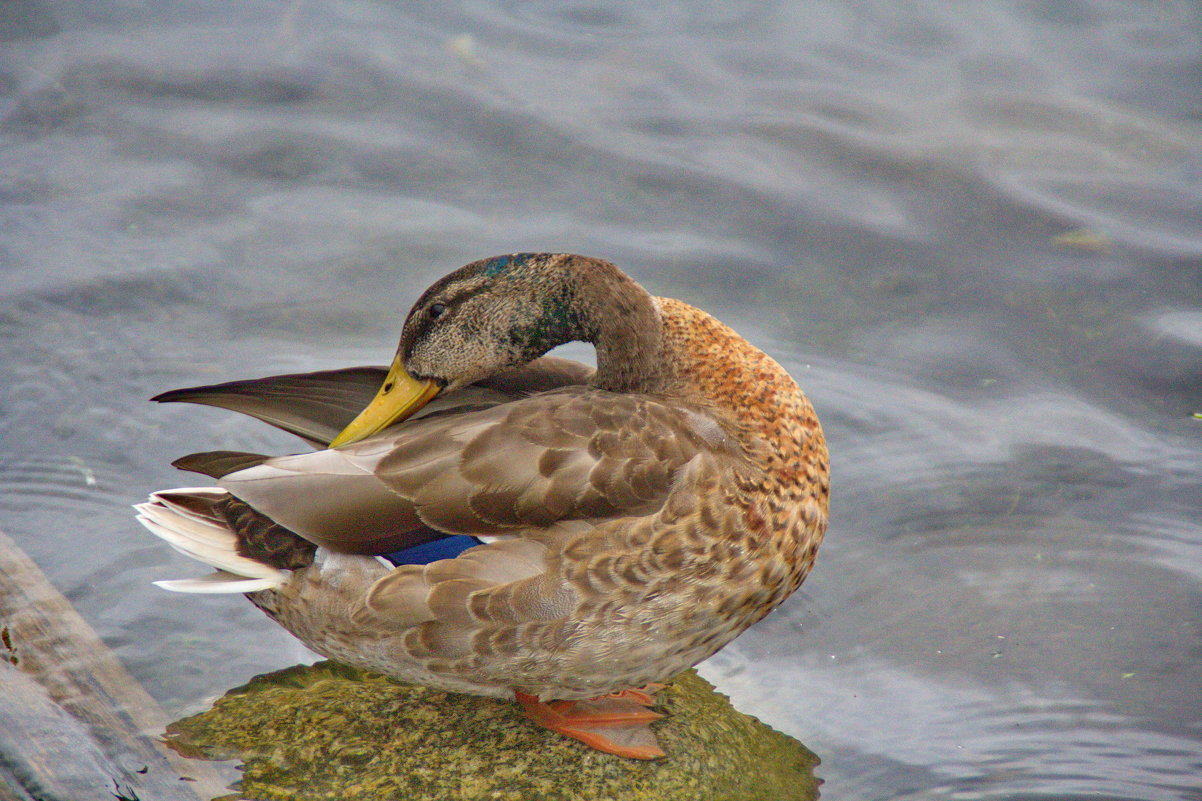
<point x="623" y="323"/>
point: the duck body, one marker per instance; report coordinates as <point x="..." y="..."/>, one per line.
<point x="633" y="519"/>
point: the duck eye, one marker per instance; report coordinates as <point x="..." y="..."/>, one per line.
<point x="437" y="310"/>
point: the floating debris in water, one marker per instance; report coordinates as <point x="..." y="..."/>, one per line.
<point x="1088" y="239"/>
<point x="89" y="476"/>
<point x="464" y="46"/>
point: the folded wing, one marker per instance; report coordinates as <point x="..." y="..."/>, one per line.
<point x="492" y="459"/>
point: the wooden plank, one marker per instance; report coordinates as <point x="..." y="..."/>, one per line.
<point x="44" y="751"/>
<point x="74" y="725"/>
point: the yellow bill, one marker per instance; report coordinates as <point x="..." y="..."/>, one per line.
<point x="399" y="397"/>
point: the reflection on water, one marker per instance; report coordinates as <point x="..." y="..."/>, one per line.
<point x="890" y="199"/>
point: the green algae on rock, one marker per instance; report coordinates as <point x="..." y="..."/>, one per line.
<point x="328" y="731"/>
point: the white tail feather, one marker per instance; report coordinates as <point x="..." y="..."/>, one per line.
<point x="221" y="581"/>
<point x="207" y="540"/>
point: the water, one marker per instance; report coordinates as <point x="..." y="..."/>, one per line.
<point x="971" y="231"/>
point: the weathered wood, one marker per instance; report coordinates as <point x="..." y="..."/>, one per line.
<point x="74" y="725"/>
<point x="45" y="752"/>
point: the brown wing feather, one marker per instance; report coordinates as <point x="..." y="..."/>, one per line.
<point x="541" y="375"/>
<point x="314" y="406"/>
<point x="572" y="454"/>
<point x="216" y="464"/>
<point x="515" y="468"/>
<point x="333" y="499"/>
<point x="317" y="406"/>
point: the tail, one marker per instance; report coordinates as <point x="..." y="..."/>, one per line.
<point x="188" y="520"/>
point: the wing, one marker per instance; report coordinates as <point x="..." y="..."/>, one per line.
<point x="331" y="500"/>
<point x="571" y="454"/>
<point x="317" y="406"/>
<point x="314" y="406"/>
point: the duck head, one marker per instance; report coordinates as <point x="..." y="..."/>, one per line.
<point x="490" y="315"/>
<point x="504" y="312"/>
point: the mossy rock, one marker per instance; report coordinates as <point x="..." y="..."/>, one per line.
<point x="328" y="731"/>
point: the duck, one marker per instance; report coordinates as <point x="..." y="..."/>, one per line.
<point x="481" y="517"/>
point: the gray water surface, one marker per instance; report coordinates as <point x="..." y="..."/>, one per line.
<point x="972" y="232"/>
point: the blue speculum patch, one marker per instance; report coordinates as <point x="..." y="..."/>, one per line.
<point x="427" y="552"/>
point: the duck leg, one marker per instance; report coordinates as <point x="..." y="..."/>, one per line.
<point x="642" y="695"/>
<point x="616" y="723"/>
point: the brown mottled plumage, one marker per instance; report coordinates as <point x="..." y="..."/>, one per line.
<point x="644" y="514"/>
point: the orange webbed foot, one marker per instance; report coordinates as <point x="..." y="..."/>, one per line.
<point x="616" y="723"/>
<point x="640" y="695"/>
